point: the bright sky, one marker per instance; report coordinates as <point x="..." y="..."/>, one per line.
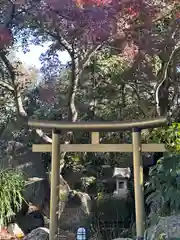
<point x="32" y="57"/>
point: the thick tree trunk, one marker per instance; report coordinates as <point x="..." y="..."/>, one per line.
<point x="73" y="87"/>
<point x="163" y="83"/>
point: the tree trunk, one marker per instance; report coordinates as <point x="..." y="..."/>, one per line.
<point x="73" y="87"/>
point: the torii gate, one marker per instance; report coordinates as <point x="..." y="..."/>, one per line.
<point x="95" y="127"/>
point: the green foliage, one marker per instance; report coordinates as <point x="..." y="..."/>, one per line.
<point x="12" y="184"/>
<point x="111" y="65"/>
<point x="87" y="181"/>
<point x="75" y="161"/>
<point x="170" y="136"/>
<point x="63" y="197"/>
<point x="164" y="178"/>
<point x="156" y="64"/>
<point x="165" y="183"/>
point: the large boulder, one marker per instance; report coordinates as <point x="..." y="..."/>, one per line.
<point x="64" y="191"/>
<point x="43" y="234"/>
<point x="17" y="155"/>
<point x="76" y="210"/>
<point x="38" y="234"/>
<point x="166" y="228"/>
<point x="31" y="221"/>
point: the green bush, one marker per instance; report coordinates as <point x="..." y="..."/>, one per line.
<point x="170" y="136"/>
<point x="163" y="187"/>
<point x="12" y="184"/>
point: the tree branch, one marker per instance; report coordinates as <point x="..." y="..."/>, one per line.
<point x="17" y="96"/>
<point x="10" y="15"/>
<point x="164" y="73"/>
<point x="87" y="57"/>
<point x="60" y="40"/>
<point x="7" y="86"/>
<point x="9" y="66"/>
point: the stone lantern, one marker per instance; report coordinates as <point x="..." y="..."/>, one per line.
<point x="122" y="175"/>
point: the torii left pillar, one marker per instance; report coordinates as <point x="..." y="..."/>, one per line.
<point x="55" y="174"/>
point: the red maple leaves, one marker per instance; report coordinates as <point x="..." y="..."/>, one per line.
<point x="5" y="38"/>
<point x="81" y="3"/>
<point x="132" y="12"/>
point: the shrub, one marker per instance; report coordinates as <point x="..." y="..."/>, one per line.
<point x="163" y="187"/>
<point x="12" y="184"/>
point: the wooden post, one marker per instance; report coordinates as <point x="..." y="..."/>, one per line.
<point x="138" y="182"/>
<point x="95" y="138"/>
<point x="55" y="165"/>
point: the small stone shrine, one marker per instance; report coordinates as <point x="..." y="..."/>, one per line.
<point x="121" y="175"/>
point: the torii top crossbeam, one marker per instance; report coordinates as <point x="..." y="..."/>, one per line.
<point x="98" y="126"/>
